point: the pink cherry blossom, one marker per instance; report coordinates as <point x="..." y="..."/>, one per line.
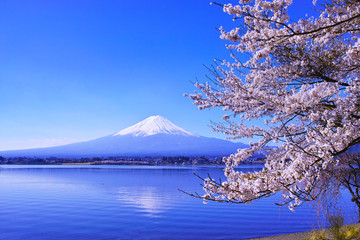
<point x="303" y="80"/>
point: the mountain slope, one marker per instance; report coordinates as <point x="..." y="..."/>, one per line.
<point x="153" y="136"/>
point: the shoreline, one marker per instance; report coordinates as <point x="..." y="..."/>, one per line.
<point x="304" y="235"/>
<point x="289" y="236"/>
<point x="130" y="163"/>
<point x="125" y="160"/>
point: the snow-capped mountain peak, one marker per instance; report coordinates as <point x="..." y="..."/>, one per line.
<point x="154" y="125"/>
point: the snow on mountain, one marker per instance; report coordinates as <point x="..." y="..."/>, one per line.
<point x="154" y="125"/>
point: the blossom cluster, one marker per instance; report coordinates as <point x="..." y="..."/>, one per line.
<point x="302" y="79"/>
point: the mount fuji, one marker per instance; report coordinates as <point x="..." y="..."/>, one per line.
<point x="154" y="136"/>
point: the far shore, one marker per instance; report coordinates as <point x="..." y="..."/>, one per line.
<point x="130" y="164"/>
<point x="125" y="160"/>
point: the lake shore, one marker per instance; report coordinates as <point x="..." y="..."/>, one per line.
<point x="291" y="236"/>
<point x="301" y="235"/>
<point x="124" y="160"/>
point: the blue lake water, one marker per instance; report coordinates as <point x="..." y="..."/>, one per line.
<point x="135" y="202"/>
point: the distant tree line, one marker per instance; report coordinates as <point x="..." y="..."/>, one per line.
<point x="148" y="160"/>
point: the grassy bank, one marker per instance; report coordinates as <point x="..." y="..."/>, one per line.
<point x="346" y="232"/>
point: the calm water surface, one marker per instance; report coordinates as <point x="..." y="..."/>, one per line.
<point x="134" y="202"/>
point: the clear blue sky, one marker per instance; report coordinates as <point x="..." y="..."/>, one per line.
<point x="78" y="70"/>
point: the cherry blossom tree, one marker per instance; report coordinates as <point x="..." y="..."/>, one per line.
<point x="301" y="78"/>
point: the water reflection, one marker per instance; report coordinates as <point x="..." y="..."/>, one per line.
<point x="147" y="199"/>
